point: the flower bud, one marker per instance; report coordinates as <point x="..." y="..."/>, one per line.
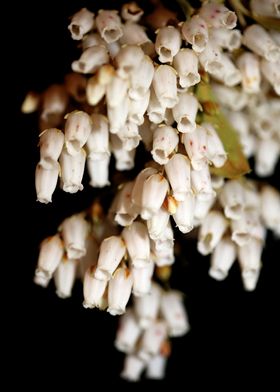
<point x="94" y="290"/>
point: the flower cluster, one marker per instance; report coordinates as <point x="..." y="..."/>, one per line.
<point x="127" y="88"/>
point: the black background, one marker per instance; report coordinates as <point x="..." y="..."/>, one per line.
<point x="234" y="334"/>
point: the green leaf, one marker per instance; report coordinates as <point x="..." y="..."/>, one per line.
<point x="236" y="164"/>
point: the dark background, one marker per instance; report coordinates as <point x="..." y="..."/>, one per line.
<point x="234" y="335"/>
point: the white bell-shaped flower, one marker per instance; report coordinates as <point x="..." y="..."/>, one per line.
<point x="99" y="171"/>
<point x="109" y="26"/>
<point x="165" y="141"/>
<point x="147" y="306"/>
<point x="195" y="32"/>
<point x="174" y="313"/>
<point x="64" y="277"/>
<point x="156" y="367"/>
<point x="256" y="38"/>
<point x="81" y="23"/>
<point x="211" y="231"/>
<point x="184" y="215"/>
<point x="232" y="198"/>
<point x="142" y="279"/>
<point x="128" y="333"/>
<point x="222" y="259"/>
<point x="249" y="257"/>
<point x="51" y="252"/>
<point x="72" y="170"/>
<point x="112" y="250"/>
<point x="152" y="339"/>
<point x="133" y="367"/>
<point x="217" y="15"/>
<point x="158" y="223"/>
<point x="91" y="59"/>
<point x="186" y="64"/>
<point x="45" y="183"/>
<point x="136" y="238"/>
<point x="51" y="144"/>
<point x="119" y="290"/>
<point x="74" y="231"/>
<point x="168" y="43"/>
<point x="165" y="86"/>
<point x="77" y="130"/>
<point x="94" y="290"/>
